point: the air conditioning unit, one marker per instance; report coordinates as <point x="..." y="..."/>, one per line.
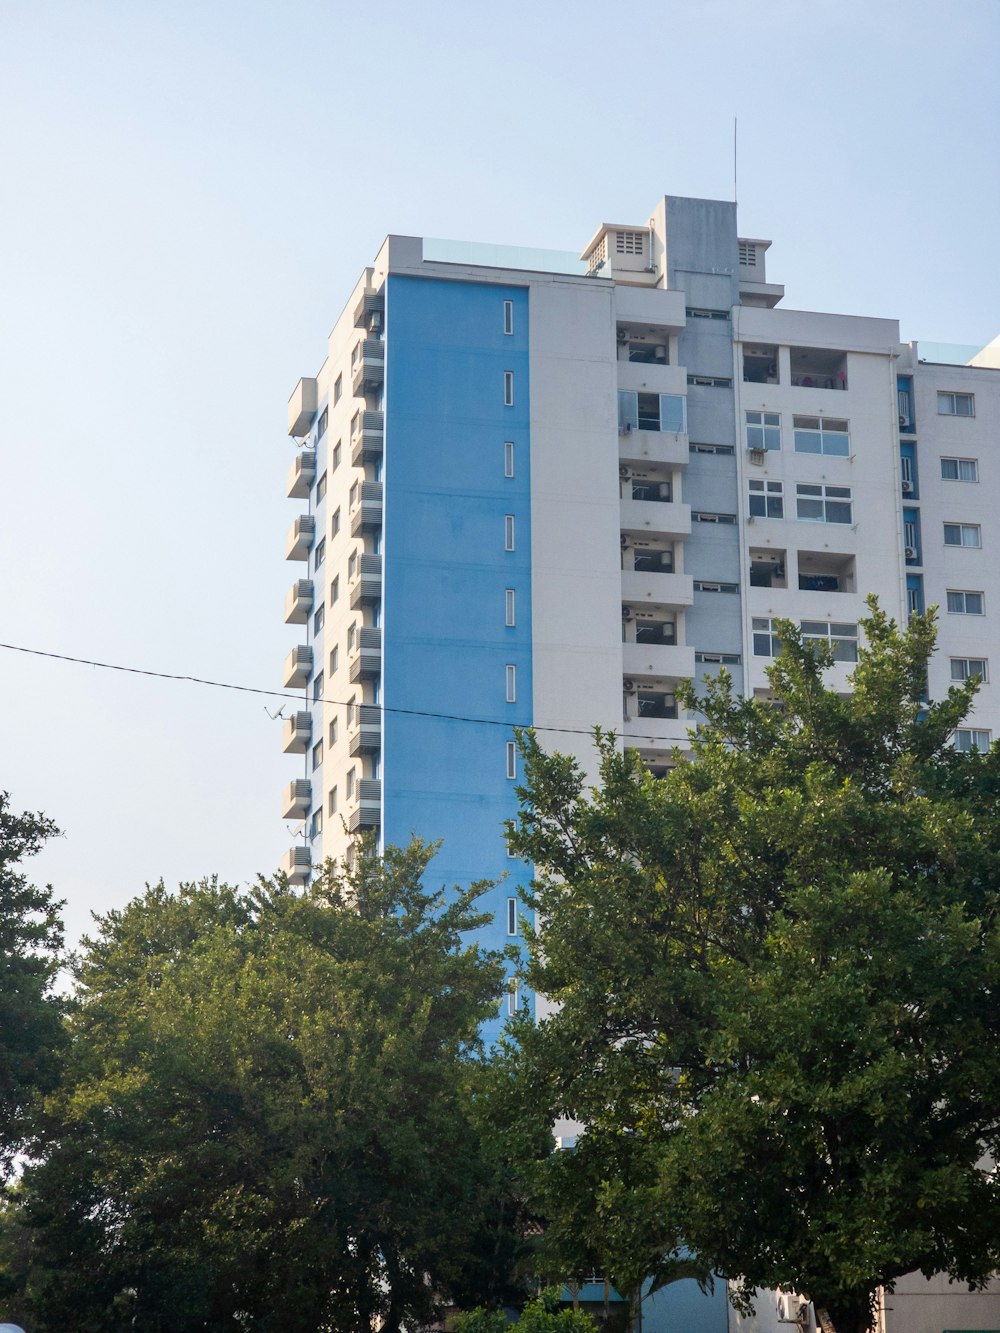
<point x="624" y="472"/>
<point x="903" y="422"/>
<point x="628" y="687"/>
<point x="622" y="336"/>
<point x="626" y="429"/>
<point x="664" y="490"/>
<point x="907" y="487"/>
<point x="910" y="552"/>
<point x="627" y="613"/>
<point x="626" y="542"/>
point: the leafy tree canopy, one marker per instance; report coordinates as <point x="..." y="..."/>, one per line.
<point x="31" y="938"/>
<point x="541" y="1315"/>
<point x="777" y="973"/>
<point x="267" y="1118"/>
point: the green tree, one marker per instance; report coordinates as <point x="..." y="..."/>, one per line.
<point x="540" y="1315"/>
<point x="31" y="938"/>
<point x="778" y="973"/>
<point x="268" y="1118"/>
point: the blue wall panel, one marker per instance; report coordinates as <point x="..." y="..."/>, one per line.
<point x="445" y="642"/>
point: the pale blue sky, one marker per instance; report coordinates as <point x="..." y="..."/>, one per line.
<point x="191" y="190"/>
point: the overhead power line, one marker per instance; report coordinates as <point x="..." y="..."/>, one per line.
<point x="287" y="694"/>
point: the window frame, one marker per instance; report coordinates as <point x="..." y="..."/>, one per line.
<point x="965" y="594"/>
<point x="964" y="530"/>
<point x="956" y="397"/>
<point x="769" y="493"/>
<point x="510" y="683"/>
<point x="972" y="733"/>
<point x="512" y="917"/>
<point x="510" y="607"/>
<point x="508" y="317"/>
<point x="511" y="761"/>
<point x="768" y="430"/>
<point x="508" y="388"/>
<point x="967" y="673"/>
<point x="824" y="427"/>
<point x="828" y="495"/>
<point x="508" y="458"/>
<point x="509" y="533"/>
<point x="971" y="463"/>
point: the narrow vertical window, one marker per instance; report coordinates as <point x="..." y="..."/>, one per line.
<point x="508" y="458"/>
<point x="511" y="760"/>
<point x="334" y="660"/>
<point x="335" y="589"/>
<point x="508" y="316"/>
<point x="508" y="388"/>
<point x="512" y="996"/>
<point x="510" y="607"/>
<point x="511" y="682"/>
<point x="332" y="801"/>
<point x="511" y="916"/>
<point x="508" y="532"/>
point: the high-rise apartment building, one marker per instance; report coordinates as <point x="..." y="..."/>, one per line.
<point x="541" y="489"/>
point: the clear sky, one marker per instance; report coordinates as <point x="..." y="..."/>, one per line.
<point x="191" y="189"/>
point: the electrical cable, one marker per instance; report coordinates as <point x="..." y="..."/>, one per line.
<point x="340" y="703"/>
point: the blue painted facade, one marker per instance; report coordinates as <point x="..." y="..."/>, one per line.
<point x="446" y="644"/>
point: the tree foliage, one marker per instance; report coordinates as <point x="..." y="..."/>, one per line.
<point x="540" y="1315"/>
<point x="778" y="973"/>
<point x="31" y="938"/>
<point x="267" y="1118"/>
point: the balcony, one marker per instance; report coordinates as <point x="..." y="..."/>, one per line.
<point x="366" y="508"/>
<point x="297" y="799"/>
<point x="298" y="667"/>
<point x="367" y="437"/>
<point x="301" y="536"/>
<point x="297" y="733"/>
<point x="366" y="659"/>
<point x="368" y="369"/>
<point x="299" y="602"/>
<point x="366" y="582"/>
<point x="371" y="305"/>
<point x="302" y="474"/>
<point x="364" y="729"/>
<point x="665" y="518"/>
<point x="365" y="808"/>
<point x="296" y="864"/>
<point x="641" y="447"/>
<point x="650" y="591"/>
<point x="659" y="660"/>
<point x="302" y="407"/>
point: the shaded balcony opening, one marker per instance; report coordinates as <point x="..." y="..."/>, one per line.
<point x="760" y="365"/>
<point x="641" y="627"/>
<point x="818" y="368"/>
<point x="824" y="571"/>
<point x="650" y="411"/>
<point x="768" y="568"/>
<point x="643" y="347"/>
<point x="645" y="558"/>
<point x="655" y="704"/>
<point x="657" y="489"/>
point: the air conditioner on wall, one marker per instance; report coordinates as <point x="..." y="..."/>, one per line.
<point x="910" y="552"/>
<point x="907" y="487"/>
<point x="624" y="472"/>
<point x="628" y="686"/>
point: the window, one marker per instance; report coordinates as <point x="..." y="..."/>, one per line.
<point x="318" y="684"/>
<point x="334" y="659"/>
<point x="821" y="435"/>
<point x="766" y="499"/>
<point x="960" y="469"/>
<point x="710" y="381"/>
<point x="508" y="388"/>
<point x="705" y="516"/>
<point x="964" y="668"/>
<point x="843" y="639"/>
<point x="334" y="589"/>
<point x="319" y="555"/>
<point x="964" y="603"/>
<point x="335" y="523"/>
<point x="702" y="312"/>
<point x="331" y="801"/>
<point x="763" y="430"/>
<point x="334" y="731"/>
<point x="510" y="676"/>
<point x="956" y="405"/>
<point x="338" y="389"/>
<point x="650" y="411"/>
<point x="335" y="457"/>
<point x="508" y="316"/>
<point x="512" y="996"/>
<point x="352" y="566"/>
<point x="357" y="354"/>
<point x="510" y="607"/>
<point x="321" y="424"/>
<point x="629" y="242"/>
<point x="823" y="504"/>
<point x="511" y="760"/>
<point x="726" y="449"/>
<point x="906" y="473"/>
<point x="511" y="916"/>
<point x="316" y="824"/>
<point x="353" y="494"/>
<point x="967" y="739"/>
<point x="508" y="458"/>
<point x="963" y="534"/>
<point x="508" y="532"/>
<point x="719" y="659"/>
<point x="317" y="754"/>
<point x="352" y="636"/>
<point x="321" y="488"/>
<point x="748" y="254"/>
<point x="701" y="586"/>
<point x="349" y="784"/>
<point x="765" y="638"/>
<point x="318" y="618"/>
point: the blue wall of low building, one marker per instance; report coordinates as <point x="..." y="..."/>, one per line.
<point x="445" y="642"/>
